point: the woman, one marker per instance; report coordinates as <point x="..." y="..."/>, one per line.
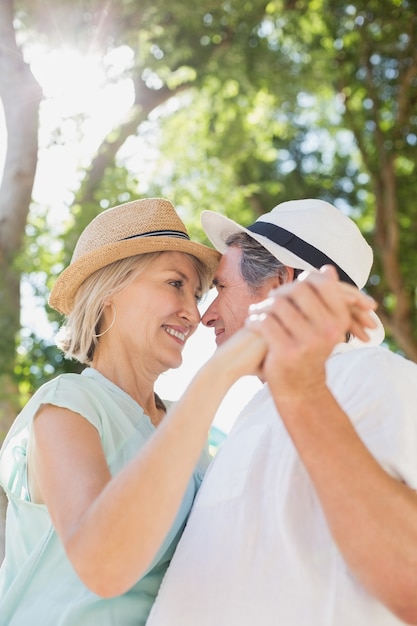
<point x="98" y="497"/>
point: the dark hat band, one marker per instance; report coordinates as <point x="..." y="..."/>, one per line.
<point x="297" y="246"/>
<point x="160" y="233"/>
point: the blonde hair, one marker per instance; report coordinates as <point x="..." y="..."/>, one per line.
<point x="78" y="336"/>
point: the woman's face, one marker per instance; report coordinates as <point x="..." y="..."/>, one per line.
<point x="157" y="312"/>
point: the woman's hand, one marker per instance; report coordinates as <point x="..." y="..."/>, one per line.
<point x="241" y="355"/>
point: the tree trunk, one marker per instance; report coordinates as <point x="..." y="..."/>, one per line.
<point x="20" y="95"/>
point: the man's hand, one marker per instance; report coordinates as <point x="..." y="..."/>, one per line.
<point x="302" y="321"/>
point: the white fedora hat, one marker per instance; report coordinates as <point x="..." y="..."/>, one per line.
<point x="305" y="234"/>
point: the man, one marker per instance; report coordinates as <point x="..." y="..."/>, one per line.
<point x="307" y="515"/>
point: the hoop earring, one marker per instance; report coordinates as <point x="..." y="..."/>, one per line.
<point x="111" y="325"/>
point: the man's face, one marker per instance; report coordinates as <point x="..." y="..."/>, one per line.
<point x="228" y="312"/>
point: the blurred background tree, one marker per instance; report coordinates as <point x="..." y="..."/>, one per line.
<point x="227" y="105"/>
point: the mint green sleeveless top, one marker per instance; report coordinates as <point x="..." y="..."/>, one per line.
<point x="38" y="586"/>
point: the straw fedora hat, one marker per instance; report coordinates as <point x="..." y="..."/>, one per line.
<point x="305" y="234"/>
<point x="147" y="225"/>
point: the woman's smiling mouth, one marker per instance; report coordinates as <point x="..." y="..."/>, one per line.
<point x="176" y="333"/>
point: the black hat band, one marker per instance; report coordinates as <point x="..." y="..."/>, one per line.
<point x="297" y="246"/>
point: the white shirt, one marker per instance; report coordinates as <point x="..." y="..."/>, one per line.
<point x="257" y="550"/>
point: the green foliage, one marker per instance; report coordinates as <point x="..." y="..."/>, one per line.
<point x="271" y="100"/>
<point x="37" y="362"/>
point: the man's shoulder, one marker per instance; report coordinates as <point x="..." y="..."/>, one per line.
<point x="370" y="359"/>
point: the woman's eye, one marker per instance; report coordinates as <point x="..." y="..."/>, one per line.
<point x="176" y="283"/>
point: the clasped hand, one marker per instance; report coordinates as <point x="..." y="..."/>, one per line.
<point x="301" y="322"/>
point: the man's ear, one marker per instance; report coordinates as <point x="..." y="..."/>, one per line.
<point x="290" y="274"/>
<point x="280" y="279"/>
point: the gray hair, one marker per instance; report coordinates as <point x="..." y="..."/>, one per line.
<point x="257" y="264"/>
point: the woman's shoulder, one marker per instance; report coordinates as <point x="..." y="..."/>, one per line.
<point x="75" y="392"/>
<point x="66" y="390"/>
